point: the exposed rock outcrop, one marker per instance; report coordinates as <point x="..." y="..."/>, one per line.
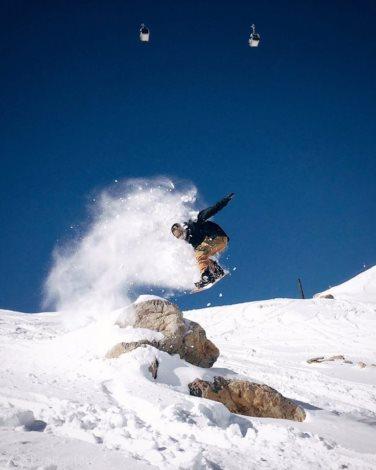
<point x="37" y="425"/>
<point x="320" y="359"/>
<point x="339" y="358"/>
<point x="248" y="398"/>
<point x="323" y="296"/>
<point x="196" y="348"/>
<point x="180" y="336"/>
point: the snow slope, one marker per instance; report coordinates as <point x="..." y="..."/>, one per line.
<point x="111" y="414"/>
<point x="361" y="288"/>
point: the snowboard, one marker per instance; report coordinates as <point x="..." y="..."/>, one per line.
<point x="208" y="286"/>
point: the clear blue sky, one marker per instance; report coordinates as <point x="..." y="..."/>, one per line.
<point x="289" y="127"/>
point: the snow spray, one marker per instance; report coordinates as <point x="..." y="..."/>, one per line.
<point x="126" y="247"/>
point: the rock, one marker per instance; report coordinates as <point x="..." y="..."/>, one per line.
<point x="319" y="359"/>
<point x="162" y="316"/>
<point x="37" y="425"/>
<point x="339" y="357"/>
<point x="323" y="295"/>
<point x="183" y="337"/>
<point x="316" y="359"/>
<point x="196" y="348"/>
<point x="248" y="398"/>
<point x="153" y="368"/>
<point x="362" y="365"/>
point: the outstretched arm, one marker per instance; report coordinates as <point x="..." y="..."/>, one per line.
<point x="205" y="214"/>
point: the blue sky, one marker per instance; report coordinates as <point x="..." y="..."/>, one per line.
<point x="289" y="127"/>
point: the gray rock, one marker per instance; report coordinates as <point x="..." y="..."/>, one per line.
<point x="164" y="317"/>
<point x="183" y="337"/>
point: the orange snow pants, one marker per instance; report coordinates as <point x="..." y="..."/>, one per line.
<point x="209" y="247"/>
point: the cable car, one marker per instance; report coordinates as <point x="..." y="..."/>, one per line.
<point x="144" y="33"/>
<point x="254" y="38"/>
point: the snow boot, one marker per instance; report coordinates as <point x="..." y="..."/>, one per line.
<point x="207" y="277"/>
<point x="217" y="270"/>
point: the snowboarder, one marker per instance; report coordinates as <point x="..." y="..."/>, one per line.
<point x="207" y="239"/>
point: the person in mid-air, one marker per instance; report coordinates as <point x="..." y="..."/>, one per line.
<point x="207" y="239"/>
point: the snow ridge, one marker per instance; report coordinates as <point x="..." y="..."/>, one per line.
<point x="361" y="288"/>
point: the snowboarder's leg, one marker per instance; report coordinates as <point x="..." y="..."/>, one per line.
<point x="210" y="269"/>
<point x="202" y="253"/>
<point x="218" y="244"/>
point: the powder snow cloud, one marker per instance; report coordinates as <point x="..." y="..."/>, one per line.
<point x="127" y="245"/>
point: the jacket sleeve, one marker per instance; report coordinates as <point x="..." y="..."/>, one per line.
<point x="205" y="214"/>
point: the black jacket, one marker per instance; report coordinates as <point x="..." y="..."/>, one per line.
<point x="201" y="228"/>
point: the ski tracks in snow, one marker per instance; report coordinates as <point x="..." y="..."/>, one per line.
<point x="270" y="342"/>
<point x="113" y="411"/>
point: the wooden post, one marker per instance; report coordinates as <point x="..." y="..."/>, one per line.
<point x="301" y="288"/>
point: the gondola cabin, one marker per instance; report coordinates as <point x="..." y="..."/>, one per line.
<point x="254" y="38"/>
<point x="144" y="33"/>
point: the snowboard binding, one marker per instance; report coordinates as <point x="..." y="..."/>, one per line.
<point x="210" y="277"/>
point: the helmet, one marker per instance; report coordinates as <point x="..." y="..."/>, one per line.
<point x="178" y="231"/>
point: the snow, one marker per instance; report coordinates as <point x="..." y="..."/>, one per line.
<point x="361" y="288"/>
<point x="111" y="414"/>
<point x="145" y="298"/>
<point x="126" y="246"/>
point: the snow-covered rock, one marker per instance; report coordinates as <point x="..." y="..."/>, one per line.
<point x="183" y="337"/>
